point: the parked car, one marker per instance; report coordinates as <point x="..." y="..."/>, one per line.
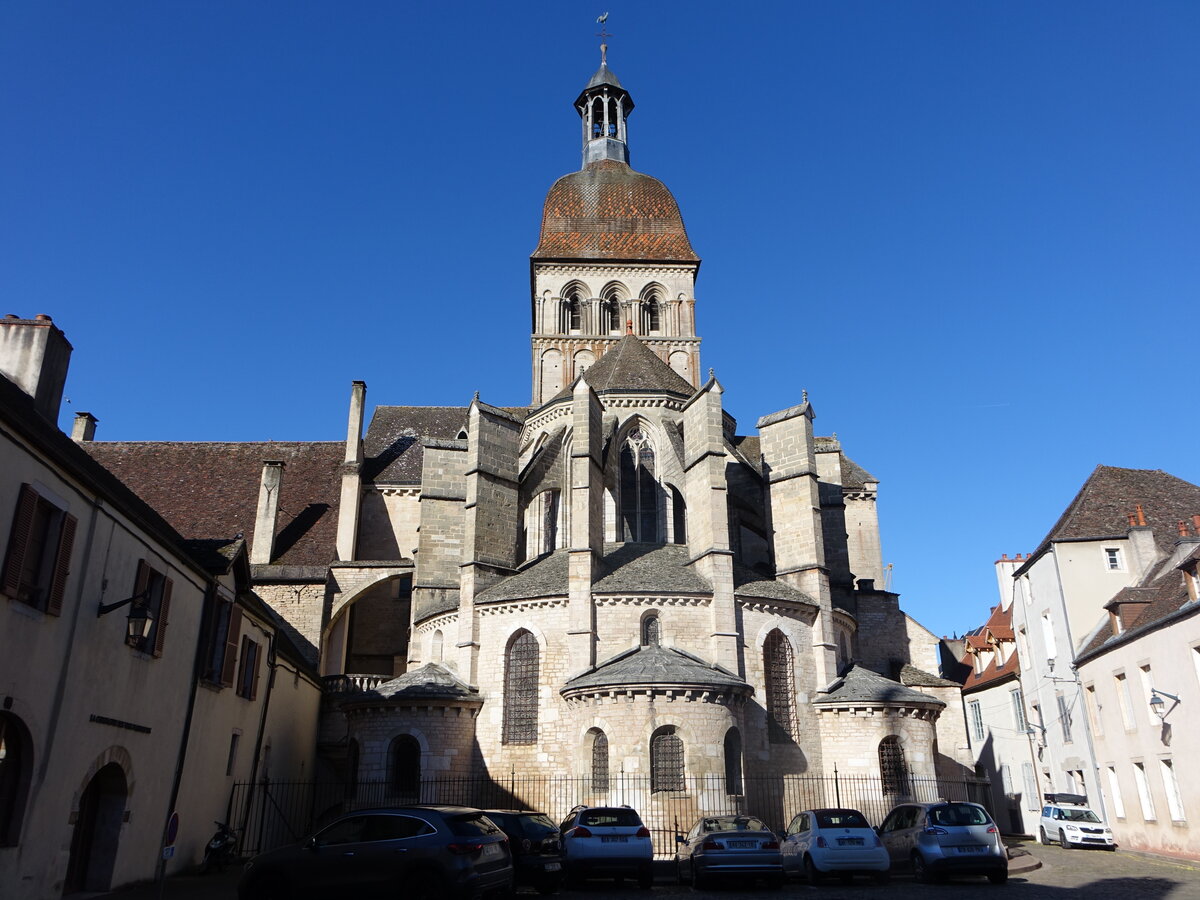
<point x="1068" y="819"/>
<point x="728" y="845"/>
<point x="945" y="838"/>
<point x="607" y="841"/>
<point x="822" y="842"/>
<point x="419" y="852"/>
<point x="536" y="847"/>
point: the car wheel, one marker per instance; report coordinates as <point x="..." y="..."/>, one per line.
<point x="811" y="872"/>
<point x="646" y="878"/>
<point x="1042" y="839"/>
<point x="425" y="884"/>
<point x="998" y="877"/>
<point x="920" y="870"/>
<point x="1062" y="840"/>
<point x="680" y="878"/>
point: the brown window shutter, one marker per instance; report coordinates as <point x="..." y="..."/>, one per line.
<point x="142" y="579"/>
<point x="18" y="540"/>
<point x="257" y="670"/>
<point x="160" y="630"/>
<point x="229" y="666"/>
<point x="62" y="566"/>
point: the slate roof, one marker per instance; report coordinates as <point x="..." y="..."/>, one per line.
<point x="609" y="211"/>
<point x="652" y="664"/>
<point x="854" y="475"/>
<point x="392" y="447"/>
<point x="1166" y="600"/>
<point x="748" y="583"/>
<point x="911" y="676"/>
<point x="210" y="489"/>
<point x="630" y="365"/>
<point x="859" y="685"/>
<point x="432" y="681"/>
<point x="1102" y="507"/>
<point x="604" y="75"/>
<point x="624" y="568"/>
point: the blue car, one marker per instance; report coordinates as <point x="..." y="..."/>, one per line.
<point x="717" y="846"/>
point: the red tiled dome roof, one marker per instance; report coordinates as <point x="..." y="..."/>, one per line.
<point x="609" y="211"/>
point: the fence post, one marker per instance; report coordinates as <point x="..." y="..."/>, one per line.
<point x="837" y="787"/>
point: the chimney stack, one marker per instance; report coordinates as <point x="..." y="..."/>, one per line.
<point x="84" y="427"/>
<point x="263" y="545"/>
<point x="1141" y="516"/>
<point x="35" y="354"/>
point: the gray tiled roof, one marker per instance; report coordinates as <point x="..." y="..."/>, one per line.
<point x="431" y="681"/>
<point x="392" y="446"/>
<point x="624" y="568"/>
<point x="656" y="665"/>
<point x="861" y="685"/>
<point x="911" y="676"/>
<point x="748" y="583"/>
<point x="854" y="475"/>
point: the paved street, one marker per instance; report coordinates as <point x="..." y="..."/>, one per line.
<point x="1093" y="874"/>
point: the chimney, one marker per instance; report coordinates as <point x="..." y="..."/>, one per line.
<point x="84" y="428"/>
<point x="34" y="355"/>
<point x="1196" y="525"/>
<point x="1141" y="516"/>
<point x="263" y="546"/>
<point x="351" y="494"/>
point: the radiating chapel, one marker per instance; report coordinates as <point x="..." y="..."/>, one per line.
<point x="616" y="577"/>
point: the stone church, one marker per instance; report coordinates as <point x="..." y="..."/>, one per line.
<point x="616" y="577"/>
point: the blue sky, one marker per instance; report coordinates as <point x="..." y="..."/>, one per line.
<point x="969" y="229"/>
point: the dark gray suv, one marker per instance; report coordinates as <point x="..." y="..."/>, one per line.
<point x="418" y="852"/>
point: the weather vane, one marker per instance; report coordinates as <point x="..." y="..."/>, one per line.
<point x="604" y="36"/>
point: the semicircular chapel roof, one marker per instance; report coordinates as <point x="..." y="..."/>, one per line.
<point x="652" y="665"/>
<point x="609" y="211"/>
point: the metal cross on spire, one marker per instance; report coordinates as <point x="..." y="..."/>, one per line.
<point x="604" y="36"/>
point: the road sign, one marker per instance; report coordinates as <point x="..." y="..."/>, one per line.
<point x="172" y="831"/>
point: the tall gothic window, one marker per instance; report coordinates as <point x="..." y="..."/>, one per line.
<point x="520" y="689"/>
<point x="892" y="769"/>
<point x="404" y="766"/>
<point x="599" y="761"/>
<point x="650" y="630"/>
<point x="733" y="761"/>
<point x="679" y="515"/>
<point x="639" y="489"/>
<point x="549" y="520"/>
<point x="652" y="314"/>
<point x="575" y="316"/>
<point x="781" y="690"/>
<point x="666" y="760"/>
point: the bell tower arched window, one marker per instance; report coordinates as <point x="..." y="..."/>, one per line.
<point x="781" y="689"/>
<point x="652" y="313"/>
<point x="639" y="489"/>
<point x="521" y="664"/>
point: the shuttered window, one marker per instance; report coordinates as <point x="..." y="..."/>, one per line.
<point x="38" y="560"/>
<point x="521" y="665"/>
<point x="247" y="685"/>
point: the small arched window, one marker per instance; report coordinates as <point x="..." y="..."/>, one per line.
<point x="599" y="761"/>
<point x="652" y="314"/>
<point x="639" y="489"/>
<point x="575" y="316"/>
<point x="521" y="663"/>
<point x="404" y="767"/>
<point x="733" y="761"/>
<point x="16" y="767"/>
<point x="893" y="771"/>
<point x="612" y="315"/>
<point x="666" y="760"/>
<point x="780" y="688"/>
<point x="435" y="646"/>
<point x="651" y="636"/>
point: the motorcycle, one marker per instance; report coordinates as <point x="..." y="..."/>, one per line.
<point x="219" y="850"/>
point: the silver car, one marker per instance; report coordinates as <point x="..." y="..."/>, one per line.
<point x="945" y="838"/>
<point x="740" y="846"/>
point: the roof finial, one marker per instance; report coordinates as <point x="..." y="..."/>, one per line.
<point x="477" y="395"/>
<point x="710" y="372"/>
<point x="804" y="396"/>
<point x="604" y="36"/>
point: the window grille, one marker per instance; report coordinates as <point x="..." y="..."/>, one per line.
<point x="600" y="762"/>
<point x="666" y="760"/>
<point x="520" y="690"/>
<point x="892" y="769"/>
<point x="781" y="693"/>
<point x="650" y="630"/>
<point x="404" y="768"/>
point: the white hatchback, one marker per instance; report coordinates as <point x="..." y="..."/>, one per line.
<point x="822" y="842"/>
<point x="1068" y="821"/>
<point x="607" y="842"/>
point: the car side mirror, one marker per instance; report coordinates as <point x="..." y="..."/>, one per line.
<point x="680" y="839"/>
<point x="311" y="844"/>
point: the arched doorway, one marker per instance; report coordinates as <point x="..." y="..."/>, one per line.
<point x="97" y="831"/>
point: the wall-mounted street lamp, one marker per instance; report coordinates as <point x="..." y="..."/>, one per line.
<point x="141" y="620"/>
<point x="1158" y="706"/>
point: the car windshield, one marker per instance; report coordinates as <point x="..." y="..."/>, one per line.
<point x="536" y="824"/>
<point x="609" y="818"/>
<point x="841" y="818"/>
<point x="472" y="825"/>
<point x="959" y="814"/>
<point x="734" y="823"/>
<point x="1080" y="815"/>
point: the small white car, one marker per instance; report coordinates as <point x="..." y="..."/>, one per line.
<point x="607" y="842"/>
<point x="1068" y="821"/>
<point x="840" y="842"/>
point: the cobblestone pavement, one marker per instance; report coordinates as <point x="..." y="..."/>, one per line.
<point x="1064" y="875"/>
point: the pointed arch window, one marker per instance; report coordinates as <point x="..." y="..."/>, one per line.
<point x="666" y="760"/>
<point x="435" y="646"/>
<point x="651" y="635"/>
<point x="780" y="688"/>
<point x="678" y="516"/>
<point x="893" y="771"/>
<point x="521" y="663"/>
<point x="733" y="761"/>
<point x="639" y="489"/>
<point x="599" y="761"/>
<point x="404" y="767"/>
<point x="652" y="314"/>
<point x="612" y="315"/>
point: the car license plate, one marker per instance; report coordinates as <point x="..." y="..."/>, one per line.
<point x="553" y="867"/>
<point x="490" y="850"/>
<point x="972" y="849"/>
<point x="850" y="842"/>
<point x="614" y="839"/>
<point x="742" y="845"/>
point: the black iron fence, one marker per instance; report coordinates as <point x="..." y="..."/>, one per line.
<point x="269" y="814"/>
